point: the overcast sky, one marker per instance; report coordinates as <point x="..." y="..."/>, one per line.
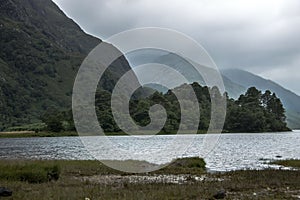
<point x="260" y="36"/>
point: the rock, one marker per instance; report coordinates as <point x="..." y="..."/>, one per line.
<point x="220" y="195"/>
<point x="4" y="192"/>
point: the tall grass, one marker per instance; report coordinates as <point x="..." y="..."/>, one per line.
<point x="32" y="172"/>
<point x="76" y="181"/>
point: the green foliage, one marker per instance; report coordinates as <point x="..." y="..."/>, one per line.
<point x="252" y="112"/>
<point x="36" y="127"/>
<point x="57" y="121"/>
<point x="30" y="134"/>
<point x="41" y="51"/>
<point x="104" y="113"/>
<point x="29" y="172"/>
<point x="256" y="112"/>
<point x="53" y="120"/>
<point x="194" y="162"/>
<point x="54" y="125"/>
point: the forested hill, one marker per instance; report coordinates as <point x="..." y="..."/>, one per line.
<point x="41" y="50"/>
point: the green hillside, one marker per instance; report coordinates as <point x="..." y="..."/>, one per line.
<point x="41" y="51"/>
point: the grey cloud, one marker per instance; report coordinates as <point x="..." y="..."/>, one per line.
<point x="258" y="36"/>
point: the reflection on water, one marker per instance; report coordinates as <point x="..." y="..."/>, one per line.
<point x="234" y="151"/>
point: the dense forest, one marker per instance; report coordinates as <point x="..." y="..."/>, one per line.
<point x="253" y="111"/>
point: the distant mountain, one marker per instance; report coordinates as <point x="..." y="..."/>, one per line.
<point x="183" y="67"/>
<point x="236" y="81"/>
<point x="41" y="50"/>
<point x="290" y="100"/>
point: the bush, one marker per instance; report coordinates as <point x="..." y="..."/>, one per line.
<point x="194" y="162"/>
<point x="54" y="125"/>
<point x="194" y="165"/>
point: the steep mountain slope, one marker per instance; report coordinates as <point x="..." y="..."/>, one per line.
<point x="40" y="52"/>
<point x="290" y="100"/>
<point x="234" y="90"/>
<point x="183" y="67"/>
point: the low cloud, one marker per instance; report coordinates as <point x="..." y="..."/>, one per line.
<point x="254" y="35"/>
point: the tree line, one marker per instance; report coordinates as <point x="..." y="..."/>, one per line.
<point x="253" y="111"/>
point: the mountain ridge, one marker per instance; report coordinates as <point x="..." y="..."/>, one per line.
<point x="184" y="67"/>
<point x="41" y="51"/>
<point x="236" y="81"/>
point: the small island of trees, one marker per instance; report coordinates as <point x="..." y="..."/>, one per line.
<point x="253" y="111"/>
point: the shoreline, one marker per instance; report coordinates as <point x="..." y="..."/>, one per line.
<point x="30" y="134"/>
<point x="184" y="180"/>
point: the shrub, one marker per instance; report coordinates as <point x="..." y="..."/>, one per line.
<point x="194" y="162"/>
<point x="194" y="165"/>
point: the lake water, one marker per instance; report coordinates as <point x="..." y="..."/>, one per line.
<point x="232" y="152"/>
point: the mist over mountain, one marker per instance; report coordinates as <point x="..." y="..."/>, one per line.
<point x="41" y="51"/>
<point x="183" y="67"/>
<point x="235" y="81"/>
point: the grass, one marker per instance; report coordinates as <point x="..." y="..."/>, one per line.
<point x="92" y="167"/>
<point x="25" y="134"/>
<point x="31" y="172"/>
<point x="28" y="127"/>
<point x="288" y="163"/>
<point x="82" y="179"/>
